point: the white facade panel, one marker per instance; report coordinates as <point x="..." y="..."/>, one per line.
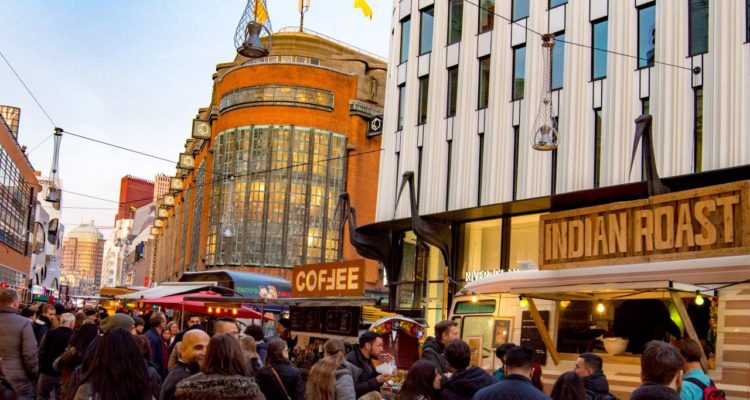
<point x="404" y="9"/>
<point x="557" y="19"/>
<point x="598" y="9"/>
<point x="424" y="65"/>
<point x="669" y="86"/>
<point x="484" y="44"/>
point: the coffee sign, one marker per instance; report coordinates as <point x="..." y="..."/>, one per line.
<point x="334" y="279"/>
<point x="707" y="222"/>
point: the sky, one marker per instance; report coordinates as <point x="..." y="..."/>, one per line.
<point x="134" y="73"/>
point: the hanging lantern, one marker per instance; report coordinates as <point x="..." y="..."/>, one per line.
<point x="253" y="24"/>
<point x="544" y="136"/>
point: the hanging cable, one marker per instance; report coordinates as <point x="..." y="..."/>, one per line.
<point x="39" y="144"/>
<point x="229" y="177"/>
<point x="27" y="89"/>
<point x="573" y="43"/>
<point x="120" y="147"/>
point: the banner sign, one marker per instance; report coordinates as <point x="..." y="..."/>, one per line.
<point x="707" y="222"/>
<point x="333" y="279"/>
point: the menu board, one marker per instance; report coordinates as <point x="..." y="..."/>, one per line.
<point x="331" y="320"/>
<point x="531" y="338"/>
<point x="305" y="319"/>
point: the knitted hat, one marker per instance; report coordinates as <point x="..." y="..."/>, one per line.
<point x="117" y="321"/>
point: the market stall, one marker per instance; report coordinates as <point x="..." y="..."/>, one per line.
<point x="403" y="338"/>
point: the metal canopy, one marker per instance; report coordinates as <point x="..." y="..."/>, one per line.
<point x="165" y="289"/>
<point x="612" y="291"/>
<point x="290" y="301"/>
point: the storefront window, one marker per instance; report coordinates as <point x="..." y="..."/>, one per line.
<point x="524" y="242"/>
<point x="421" y="279"/>
<point x="481" y="244"/>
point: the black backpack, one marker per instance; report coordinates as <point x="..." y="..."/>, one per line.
<point x="710" y="392"/>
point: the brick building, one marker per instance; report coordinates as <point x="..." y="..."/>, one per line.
<point x="289" y="133"/>
<point x="134" y="192"/>
<point x="18" y="188"/>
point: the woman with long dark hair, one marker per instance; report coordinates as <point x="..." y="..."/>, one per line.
<point x="154" y="379"/>
<point x="278" y="379"/>
<point x="116" y="365"/>
<point x="569" y="386"/>
<point x="224" y="375"/>
<point x="422" y="382"/>
<point x="330" y="379"/>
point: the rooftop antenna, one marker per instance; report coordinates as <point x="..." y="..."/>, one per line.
<point x="303" y="6"/>
<point x="253" y="23"/>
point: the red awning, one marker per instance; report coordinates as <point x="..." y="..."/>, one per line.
<point x="176" y="302"/>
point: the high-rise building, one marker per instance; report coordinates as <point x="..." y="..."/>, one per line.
<point x="18" y="189"/>
<point x="587" y="222"/>
<point x="134" y="192"/>
<point x="161" y="186"/>
<point x="82" y="253"/>
<point x="289" y="133"/>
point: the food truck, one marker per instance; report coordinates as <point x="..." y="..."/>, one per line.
<point x="615" y="276"/>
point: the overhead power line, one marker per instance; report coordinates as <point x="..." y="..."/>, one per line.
<point x="574" y="43"/>
<point x="120" y="147"/>
<point x="230" y="177"/>
<point x="28" y="90"/>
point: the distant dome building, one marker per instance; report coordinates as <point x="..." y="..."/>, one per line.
<point x="82" y="252"/>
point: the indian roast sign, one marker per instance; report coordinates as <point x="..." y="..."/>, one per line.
<point x="333" y="279"/>
<point x="706" y="222"/>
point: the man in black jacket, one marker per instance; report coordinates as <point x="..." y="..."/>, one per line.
<point x="589" y="368"/>
<point x="370" y="346"/>
<point x="54" y="343"/>
<point x="189" y="362"/>
<point x="434" y="347"/>
<point x="43" y="322"/>
<point x="466" y="379"/>
<point x="517" y="383"/>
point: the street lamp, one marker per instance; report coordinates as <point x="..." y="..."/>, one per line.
<point x="253" y="23"/>
<point x="544" y="136"/>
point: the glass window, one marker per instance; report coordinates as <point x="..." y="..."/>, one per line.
<point x="520" y="9"/>
<point x="555" y="3"/>
<point x="452" y="91"/>
<point x="481" y="326"/>
<point x="558" y="61"/>
<point x="424" y="92"/>
<point x="484" y="82"/>
<point x="481" y="249"/>
<point x="425" y="30"/>
<point x="519" y="71"/>
<point x="646" y="35"/>
<point x="524" y="242"/>
<point x="599" y="49"/>
<point x="597" y="146"/>
<point x="455" y="20"/>
<point x="405" y="28"/>
<point x="486" y="15"/>
<point x="479" y="307"/>
<point x="401" y="106"/>
<point x="698" y="10"/>
<point x="698" y="128"/>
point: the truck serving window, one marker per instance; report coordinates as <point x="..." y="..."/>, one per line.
<point x="479" y="307"/>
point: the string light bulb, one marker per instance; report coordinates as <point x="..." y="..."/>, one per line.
<point x="565" y="303"/>
<point x="474" y="298"/>
<point x="699" y="300"/>
<point x="600" y="308"/>
<point x="210" y="310"/>
<point x="234" y="311"/>
<point x="524" y="303"/>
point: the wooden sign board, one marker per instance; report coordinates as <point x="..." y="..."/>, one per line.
<point x="707" y="222"/>
<point x="334" y="279"/>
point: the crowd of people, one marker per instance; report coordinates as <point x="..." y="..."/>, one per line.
<point x="51" y="352"/>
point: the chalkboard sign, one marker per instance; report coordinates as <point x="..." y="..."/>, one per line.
<point x="331" y="320"/>
<point x="305" y="319"/>
<point x="341" y="320"/>
<point x="531" y="338"/>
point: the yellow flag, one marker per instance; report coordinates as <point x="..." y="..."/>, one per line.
<point x="362" y="4"/>
<point x="261" y="14"/>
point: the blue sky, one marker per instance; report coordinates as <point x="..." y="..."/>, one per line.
<point x="134" y="73"/>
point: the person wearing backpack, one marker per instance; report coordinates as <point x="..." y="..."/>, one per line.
<point x="696" y="385"/>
